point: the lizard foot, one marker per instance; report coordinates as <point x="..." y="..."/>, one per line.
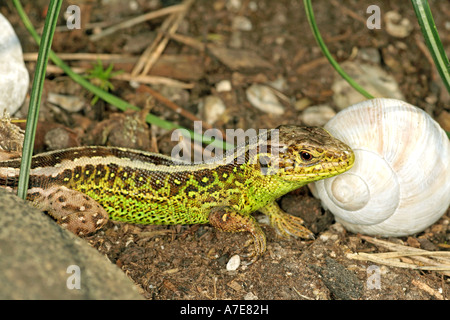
<point x="228" y="220"/>
<point x="286" y="224"/>
<point x="71" y="209"/>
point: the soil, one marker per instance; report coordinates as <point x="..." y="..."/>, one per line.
<point x="189" y="262"/>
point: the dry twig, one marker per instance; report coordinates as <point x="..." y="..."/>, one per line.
<point x="154" y="80"/>
<point x="153" y="52"/>
<point x="136" y="20"/>
<point x="413" y="258"/>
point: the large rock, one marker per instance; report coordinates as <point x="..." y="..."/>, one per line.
<point x="40" y="260"/>
<point x="14" y="78"/>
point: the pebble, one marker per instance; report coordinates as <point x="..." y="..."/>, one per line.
<point x="372" y="78"/>
<point x="68" y="103"/>
<point x="234" y="263"/>
<point x="279" y="83"/>
<point x="223" y="86"/>
<point x="250" y="296"/>
<point x="241" y="23"/>
<point x="370" y="55"/>
<point x="444" y="120"/>
<point x="263" y="98"/>
<point x="317" y="115"/>
<point x="211" y="109"/>
<point x="302" y="104"/>
<point x="15" y="78"/>
<point x="396" y="25"/>
<point x="234" y="5"/>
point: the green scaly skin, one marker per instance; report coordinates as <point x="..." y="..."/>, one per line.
<point x="82" y="187"/>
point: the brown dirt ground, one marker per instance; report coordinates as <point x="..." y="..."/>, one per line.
<point x="188" y="262"/>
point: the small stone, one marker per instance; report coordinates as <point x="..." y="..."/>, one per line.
<point x="234" y="5"/>
<point x="370" y="55"/>
<point x="444" y="120"/>
<point x="447" y="25"/>
<point x="263" y="98"/>
<point x="317" y="115"/>
<point x="14" y="78"/>
<point x="60" y="138"/>
<point x="223" y="86"/>
<point x="302" y="104"/>
<point x="372" y="78"/>
<point x="241" y="23"/>
<point x="234" y="263"/>
<point x="250" y="296"/>
<point x="253" y="6"/>
<point x="396" y="25"/>
<point x="68" y="103"/>
<point x="325" y="236"/>
<point x="212" y="108"/>
<point x="279" y="83"/>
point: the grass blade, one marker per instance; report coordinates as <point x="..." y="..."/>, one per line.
<point x="432" y="40"/>
<point x="35" y="97"/>
<point x="326" y="52"/>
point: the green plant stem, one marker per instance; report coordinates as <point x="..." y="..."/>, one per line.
<point x="35" y="97"/>
<point x="326" y="52"/>
<point x="432" y="40"/>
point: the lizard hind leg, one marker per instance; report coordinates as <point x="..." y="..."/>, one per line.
<point x="286" y="224"/>
<point x="226" y="219"/>
<point x="71" y="209"/>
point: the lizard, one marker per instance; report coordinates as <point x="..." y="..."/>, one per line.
<point x="83" y="187"/>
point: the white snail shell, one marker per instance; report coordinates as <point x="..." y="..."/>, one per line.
<point x="400" y="183"/>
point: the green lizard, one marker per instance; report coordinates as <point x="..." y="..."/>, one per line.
<point x="82" y="187"/>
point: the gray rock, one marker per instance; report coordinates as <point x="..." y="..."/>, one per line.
<point x="40" y="260"/>
<point x="263" y="98"/>
<point x="372" y="78"/>
<point x="396" y="25"/>
<point x="15" y="79"/>
<point x="317" y="115"/>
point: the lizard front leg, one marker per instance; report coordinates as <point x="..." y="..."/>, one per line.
<point x="226" y="219"/>
<point x="286" y="224"/>
<point x="71" y="209"/>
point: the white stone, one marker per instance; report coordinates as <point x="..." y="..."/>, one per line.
<point x="263" y="98"/>
<point x="212" y="108"/>
<point x="372" y="78"/>
<point x="317" y="115"/>
<point x="241" y="23"/>
<point x="223" y="86"/>
<point x="14" y="78"/>
<point x="250" y="296"/>
<point x="234" y="263"/>
<point x="396" y="25"/>
<point x="67" y="102"/>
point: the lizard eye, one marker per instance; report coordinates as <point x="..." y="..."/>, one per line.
<point x="306" y="156"/>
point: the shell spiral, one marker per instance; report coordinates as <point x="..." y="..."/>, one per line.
<point x="400" y="183"/>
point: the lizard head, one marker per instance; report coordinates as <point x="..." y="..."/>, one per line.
<point x="305" y="154"/>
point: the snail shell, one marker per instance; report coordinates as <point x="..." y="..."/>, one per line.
<point x="400" y="183"/>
